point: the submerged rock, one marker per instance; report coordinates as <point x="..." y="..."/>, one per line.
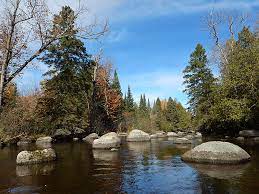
<point x="107" y="141"/>
<point x="172" y="134"/>
<point x="35" y="169"/>
<point x="216" y="152"/>
<point x="138" y="135"/>
<point x="90" y="138"/>
<point x="35" y="157"/>
<point x="182" y="140"/>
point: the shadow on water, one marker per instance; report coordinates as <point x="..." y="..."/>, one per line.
<point x="137" y="167"/>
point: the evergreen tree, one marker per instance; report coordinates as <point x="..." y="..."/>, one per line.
<point x="236" y="100"/>
<point x="66" y="94"/>
<point x="172" y="114"/>
<point x="116" y="83"/>
<point x="129" y="101"/>
<point x="199" y="81"/>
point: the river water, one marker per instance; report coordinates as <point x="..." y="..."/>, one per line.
<point x="153" y="167"/>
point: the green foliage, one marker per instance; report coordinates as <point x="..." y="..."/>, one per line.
<point x="198" y="80"/>
<point x="129" y="101"/>
<point x="116" y="83"/>
<point x="232" y="103"/>
<point x="65" y="100"/>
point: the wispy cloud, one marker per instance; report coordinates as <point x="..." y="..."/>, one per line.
<point x="117" y="10"/>
<point x="155" y="84"/>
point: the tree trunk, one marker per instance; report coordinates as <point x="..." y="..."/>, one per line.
<point x="2" y="73"/>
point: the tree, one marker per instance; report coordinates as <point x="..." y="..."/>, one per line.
<point x="65" y="100"/>
<point x="236" y="100"/>
<point x="198" y="81"/>
<point x="116" y="83"/>
<point x="25" y="23"/>
<point x="129" y="101"/>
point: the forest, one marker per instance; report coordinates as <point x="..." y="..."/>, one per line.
<point x="83" y="91"/>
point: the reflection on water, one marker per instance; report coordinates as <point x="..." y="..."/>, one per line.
<point x="141" y="167"/>
<point x="221" y="171"/>
<point x="35" y="169"/>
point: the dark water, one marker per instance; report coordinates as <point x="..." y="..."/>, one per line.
<point x="153" y="167"/>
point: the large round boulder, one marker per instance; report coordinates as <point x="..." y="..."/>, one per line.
<point x="138" y="135"/>
<point x="34" y="157"/>
<point x="107" y="141"/>
<point x="216" y="152"/>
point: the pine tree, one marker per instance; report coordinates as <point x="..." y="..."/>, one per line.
<point x="199" y="81"/>
<point x="172" y="114"/>
<point x="66" y="94"/>
<point x="129" y="101"/>
<point x="116" y="83"/>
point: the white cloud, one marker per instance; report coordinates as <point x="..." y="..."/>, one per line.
<point x="121" y="10"/>
<point x="155" y="84"/>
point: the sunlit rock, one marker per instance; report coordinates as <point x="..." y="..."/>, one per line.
<point x="172" y="134"/>
<point x="216" y="152"/>
<point x="138" y="135"/>
<point x="107" y="141"/>
<point x="34" y="157"/>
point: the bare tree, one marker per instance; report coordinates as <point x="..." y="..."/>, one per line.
<point x="233" y="22"/>
<point x="25" y="28"/>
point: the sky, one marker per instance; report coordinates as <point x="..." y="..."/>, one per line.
<point x="149" y="41"/>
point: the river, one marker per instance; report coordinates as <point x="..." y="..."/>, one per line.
<point x="153" y="167"/>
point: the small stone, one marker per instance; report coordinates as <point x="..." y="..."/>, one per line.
<point x="114" y="149"/>
<point x="75" y="139"/>
<point x="182" y="140"/>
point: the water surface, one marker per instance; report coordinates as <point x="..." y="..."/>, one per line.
<point x="153" y="167"/>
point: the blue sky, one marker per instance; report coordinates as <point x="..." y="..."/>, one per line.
<point x="149" y="42"/>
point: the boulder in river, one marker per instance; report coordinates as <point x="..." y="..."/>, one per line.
<point x="138" y="135"/>
<point x="43" y="140"/>
<point x="180" y="134"/>
<point x="153" y="136"/>
<point x="90" y="138"/>
<point x="34" y="157"/>
<point x="198" y="135"/>
<point x="216" y="152"/>
<point x="249" y="133"/>
<point x="62" y="134"/>
<point x="172" y="134"/>
<point x="190" y="137"/>
<point x="107" y="141"/>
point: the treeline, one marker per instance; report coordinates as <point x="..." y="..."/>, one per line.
<point x="165" y="115"/>
<point x="81" y="92"/>
<point x="78" y="92"/>
<point x="229" y="102"/>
